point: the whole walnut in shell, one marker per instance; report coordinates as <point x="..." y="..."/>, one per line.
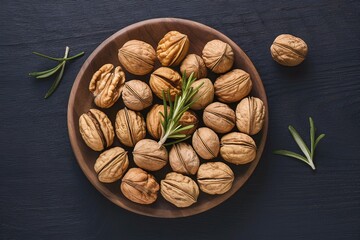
<point x="96" y="130"/>
<point x="172" y="48"/>
<point x="111" y="164"/>
<point x="165" y="79"/>
<point x="205" y="94"/>
<point x="139" y="186"/>
<point x="137" y="57"/>
<point x="250" y="115"/>
<point x="137" y="95"/>
<point x="288" y="50"/>
<point x="183" y="159"/>
<point x="188" y="118"/>
<point x="206" y="143"/>
<point x="233" y="86"/>
<point x="215" y="177"/>
<point x="237" y="148"/>
<point x="193" y="64"/>
<point x="129" y="127"/>
<point x="149" y="155"/>
<point x="153" y="121"/>
<point x="107" y="86"/>
<point x="218" y="56"/>
<point x="179" y="190"/>
<point x="219" y="117"/>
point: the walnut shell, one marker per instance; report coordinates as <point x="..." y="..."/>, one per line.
<point x="179" y="190"/>
<point x="149" y="156"/>
<point x="205" y="94"/>
<point x="215" y="177"/>
<point x="218" y="56"/>
<point x="237" y="148"/>
<point x="233" y="86"/>
<point x="206" y="143"/>
<point x="183" y="159"/>
<point x="172" y="48"/>
<point x="96" y="130"/>
<point x="111" y="164"/>
<point x="189" y="118"/>
<point x="139" y="186"/>
<point x="250" y="115"/>
<point x="219" y="117"/>
<point x="137" y="57"/>
<point x="137" y="95"/>
<point x="165" y="79"/>
<point x="106" y="86"/>
<point x="153" y="121"/>
<point x="129" y="127"/>
<point x="288" y="50"/>
<point x="193" y="64"/>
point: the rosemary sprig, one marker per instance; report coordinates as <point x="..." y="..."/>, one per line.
<point x="52" y="71"/>
<point x="171" y="129"/>
<point x="309" y="154"/>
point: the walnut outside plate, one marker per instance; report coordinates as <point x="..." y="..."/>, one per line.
<point x="81" y="100"/>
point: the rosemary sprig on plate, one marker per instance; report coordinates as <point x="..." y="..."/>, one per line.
<point x="309" y="153"/>
<point x="60" y="67"/>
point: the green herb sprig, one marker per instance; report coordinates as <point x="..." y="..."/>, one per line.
<point x="60" y="67"/>
<point x="171" y="128"/>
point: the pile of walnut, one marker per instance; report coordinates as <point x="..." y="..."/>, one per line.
<point x="138" y="58"/>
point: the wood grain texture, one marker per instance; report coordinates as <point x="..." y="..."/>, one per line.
<point x="45" y="195"/>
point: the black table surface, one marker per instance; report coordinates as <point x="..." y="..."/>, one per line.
<point x="45" y="195"/>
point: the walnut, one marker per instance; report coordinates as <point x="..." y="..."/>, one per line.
<point x="139" y="186"/>
<point x="153" y="119"/>
<point x="215" y="177"/>
<point x="206" y="143"/>
<point x="137" y="95"/>
<point x="129" y="127"/>
<point x="183" y="159"/>
<point x="188" y="118"/>
<point x="111" y="164"/>
<point x="288" y="50"/>
<point x="219" y="117"/>
<point x="250" y="115"/>
<point x="165" y="79"/>
<point x="96" y="129"/>
<point x="193" y="64"/>
<point x="149" y="155"/>
<point x="218" y="56"/>
<point x="179" y="190"/>
<point x="172" y="48"/>
<point x="137" y="57"/>
<point x="106" y="86"/>
<point x="233" y="86"/>
<point x="237" y="148"/>
<point x="205" y="94"/>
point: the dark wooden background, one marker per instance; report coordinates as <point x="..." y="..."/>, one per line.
<point x="45" y="195"/>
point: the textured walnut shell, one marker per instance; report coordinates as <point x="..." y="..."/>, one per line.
<point x="153" y="121"/>
<point x="215" y="177"/>
<point x="288" y="50"/>
<point x="237" y="148"/>
<point x="218" y="56"/>
<point x="219" y="117"/>
<point x="139" y="186"/>
<point x="129" y="127"/>
<point x="137" y="95"/>
<point x="233" y="86"/>
<point x="137" y="57"/>
<point x="107" y="86"/>
<point x="96" y="130"/>
<point x="172" y="48"/>
<point x="111" y="164"/>
<point x="165" y="79"/>
<point x="206" y="143"/>
<point x="183" y="159"/>
<point x="193" y="64"/>
<point x="205" y="94"/>
<point x="189" y="118"/>
<point x="179" y="190"/>
<point x="149" y="156"/>
<point x="250" y="115"/>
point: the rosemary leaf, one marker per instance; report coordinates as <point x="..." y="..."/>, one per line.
<point x="48" y="74"/>
<point x="300" y="142"/>
<point x="59" y="59"/>
<point x="321" y="136"/>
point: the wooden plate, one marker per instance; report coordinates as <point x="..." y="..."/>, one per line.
<point x="81" y="100"/>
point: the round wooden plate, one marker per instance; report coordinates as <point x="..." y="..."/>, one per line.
<point x="81" y="100"/>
